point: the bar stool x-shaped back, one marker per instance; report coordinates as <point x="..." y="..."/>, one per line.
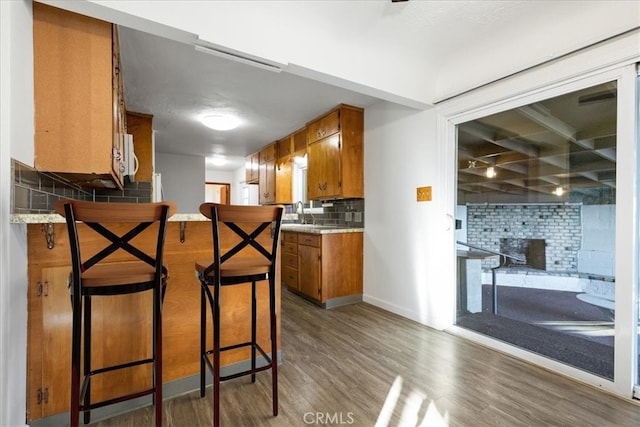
<point x="95" y="275"/>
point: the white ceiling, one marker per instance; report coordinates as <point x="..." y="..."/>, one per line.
<point x="177" y="84"/>
<point x="413" y="53"/>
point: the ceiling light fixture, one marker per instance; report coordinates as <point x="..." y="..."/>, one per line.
<point x="559" y="191"/>
<point x="220" y="121"/>
<point x="491" y="172"/>
<point x="217" y="160"/>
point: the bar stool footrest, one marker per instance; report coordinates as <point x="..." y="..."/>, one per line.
<point x="243" y="373"/>
<point x="116" y="400"/>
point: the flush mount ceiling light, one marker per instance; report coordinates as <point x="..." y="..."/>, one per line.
<point x="217" y="160"/>
<point x="220" y="121"/>
<point x="559" y="191"/>
<point x="491" y="172"/>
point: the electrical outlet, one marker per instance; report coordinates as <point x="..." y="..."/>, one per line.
<point x="357" y="216"/>
<point x="424" y="194"/>
<point x="348" y="216"/>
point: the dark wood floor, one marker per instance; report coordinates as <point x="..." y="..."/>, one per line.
<point x="358" y="365"/>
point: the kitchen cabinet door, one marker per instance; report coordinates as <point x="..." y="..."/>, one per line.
<point x="310" y="271"/>
<point x="267" y="184"/>
<point x="252" y="168"/>
<point x="284" y="182"/>
<point x="323" y="169"/>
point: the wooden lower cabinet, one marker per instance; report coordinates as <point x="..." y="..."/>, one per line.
<point x="290" y="260"/>
<point x="329" y="267"/>
<point x="121" y="324"/>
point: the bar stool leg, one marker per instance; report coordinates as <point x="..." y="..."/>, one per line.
<point x="87" y="356"/>
<point x="157" y="354"/>
<point x="203" y="340"/>
<point x="76" y="304"/>
<point x="253" y="330"/>
<point x="216" y="356"/>
<point x="274" y="343"/>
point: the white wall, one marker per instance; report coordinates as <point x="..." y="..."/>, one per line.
<point x="403" y="237"/>
<point x="16" y="140"/>
<point x="237" y="187"/>
<point x="223" y="177"/>
<point x="183" y="179"/>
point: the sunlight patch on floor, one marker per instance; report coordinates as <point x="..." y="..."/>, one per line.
<point x="411" y="409"/>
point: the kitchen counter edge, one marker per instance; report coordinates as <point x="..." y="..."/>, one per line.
<point x="180" y="217"/>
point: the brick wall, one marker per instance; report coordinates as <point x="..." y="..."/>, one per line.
<point x="559" y="225"/>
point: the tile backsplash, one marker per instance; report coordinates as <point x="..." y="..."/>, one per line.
<point x="35" y="192"/>
<point x="340" y="213"/>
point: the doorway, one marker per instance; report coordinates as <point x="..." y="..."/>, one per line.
<point x="218" y="192"/>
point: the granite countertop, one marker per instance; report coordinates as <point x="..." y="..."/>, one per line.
<point x="54" y="218"/>
<point x="179" y="217"/>
<point x="319" y="229"/>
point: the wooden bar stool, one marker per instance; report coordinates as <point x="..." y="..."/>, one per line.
<point x="244" y="259"/>
<point x="96" y="275"/>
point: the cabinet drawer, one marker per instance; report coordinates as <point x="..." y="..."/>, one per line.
<point x="290" y="248"/>
<point x="310" y="239"/>
<point x="328" y="125"/>
<point x="290" y="277"/>
<point x="290" y="237"/>
<point x="290" y="260"/>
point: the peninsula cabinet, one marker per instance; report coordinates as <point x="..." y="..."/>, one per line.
<point x="79" y="99"/>
<point x="335" y="155"/>
<point x="329" y="266"/>
<point x="267" y="180"/>
<point x="114" y="338"/>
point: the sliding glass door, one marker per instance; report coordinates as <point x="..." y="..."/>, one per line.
<point x="547" y="227"/>
<point x="537" y="196"/>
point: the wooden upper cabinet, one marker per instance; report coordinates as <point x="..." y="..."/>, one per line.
<point x="267" y="180"/>
<point x="324" y="126"/>
<point x="252" y="168"/>
<point x="300" y="141"/>
<point x="79" y="99"/>
<point x="284" y="148"/>
<point x="335" y="161"/>
<point x="268" y="153"/>
<point x="323" y="168"/>
<point x="141" y="127"/>
<point x="284" y="171"/>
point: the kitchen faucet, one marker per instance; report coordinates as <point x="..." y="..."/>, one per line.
<point x="301" y="213"/>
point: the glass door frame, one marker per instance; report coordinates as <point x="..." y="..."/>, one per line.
<point x="627" y="228"/>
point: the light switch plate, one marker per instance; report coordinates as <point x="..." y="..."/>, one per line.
<point x="424" y="194"/>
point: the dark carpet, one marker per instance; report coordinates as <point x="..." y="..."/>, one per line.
<point x="554" y="324"/>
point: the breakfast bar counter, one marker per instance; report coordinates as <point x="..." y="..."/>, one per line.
<point x="188" y="239"/>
